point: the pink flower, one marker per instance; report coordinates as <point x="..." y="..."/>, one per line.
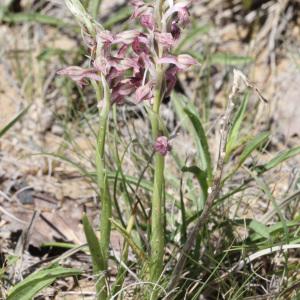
<point x="175" y="30"/>
<point x="171" y="79"/>
<point x="144" y="92"/>
<point x="182" y="61"/>
<point x="183" y="16"/>
<point x="147" y="20"/>
<point x="79" y="75"/>
<point x="121" y="90"/>
<point x="165" y="39"/>
<point x="162" y="145"/>
<point x="140" y="44"/>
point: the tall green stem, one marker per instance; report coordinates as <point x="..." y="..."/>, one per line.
<point x="102" y="181"/>
<point x="157" y="220"/>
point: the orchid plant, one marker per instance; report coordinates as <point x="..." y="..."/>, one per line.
<point x="139" y="65"/>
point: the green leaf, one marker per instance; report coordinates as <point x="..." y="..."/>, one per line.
<point x="232" y="140"/>
<point x="260" y="229"/>
<point x="221" y="58"/>
<point x="33" y="17"/>
<point x="31" y="285"/>
<point x="256" y="142"/>
<point x="190" y="120"/>
<point x="94" y="245"/>
<point x="200" y="175"/>
<point x="13" y="121"/>
<point x="135" y="248"/>
<point x="201" y="141"/>
<point x="229" y="59"/>
<point x="281" y="157"/>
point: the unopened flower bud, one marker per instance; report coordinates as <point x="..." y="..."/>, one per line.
<point x="162" y="145"/>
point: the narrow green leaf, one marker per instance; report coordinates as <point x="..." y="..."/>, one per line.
<point x="221" y="58"/>
<point x="281" y="157"/>
<point x="229" y="59"/>
<point x="190" y="120"/>
<point x="232" y="140"/>
<point x="33" y="17"/>
<point x="202" y="144"/>
<point x="94" y="245"/>
<point x="200" y="175"/>
<point x="256" y="142"/>
<point x="135" y="248"/>
<point x="260" y="229"/>
<point x="13" y="121"/>
<point x="31" y="285"/>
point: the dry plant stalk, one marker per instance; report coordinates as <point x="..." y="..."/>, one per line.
<point x="214" y="190"/>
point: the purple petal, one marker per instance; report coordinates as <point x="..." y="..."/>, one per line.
<point x="183" y="16"/>
<point x="186" y="61"/>
<point x="147" y="20"/>
<point x="162" y="145"/>
<point x="105" y="36"/>
<point x="165" y="39"/>
<point x="79" y="74"/>
<point x="139" y="45"/>
<point x="182" y="61"/>
<point x="175" y="9"/>
<point x="126" y="37"/>
<point x="144" y="92"/>
<point x="171" y="79"/>
<point x="167" y="60"/>
<point x="175" y="30"/>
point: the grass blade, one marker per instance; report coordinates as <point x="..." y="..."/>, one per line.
<point x="31" y="285"/>
<point x="281" y="157"/>
<point x="259" y="228"/>
<point x="235" y="128"/>
<point x="190" y="121"/>
<point x="13" y="121"/>
<point x="17" y="18"/>
<point x="94" y="246"/>
<point x="256" y="142"/>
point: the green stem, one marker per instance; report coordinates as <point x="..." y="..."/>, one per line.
<point x="157" y="220"/>
<point x="102" y="181"/>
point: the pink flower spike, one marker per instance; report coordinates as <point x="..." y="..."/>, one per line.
<point x="79" y="75"/>
<point x="162" y="145"/>
<point x="147" y="20"/>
